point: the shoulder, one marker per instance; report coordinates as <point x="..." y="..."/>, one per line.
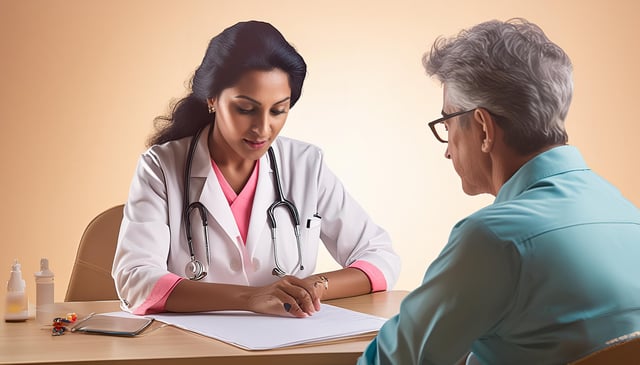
<point x="507" y="224"/>
<point x="296" y="150"/>
<point x="171" y="152"/>
<point x="495" y="227"/>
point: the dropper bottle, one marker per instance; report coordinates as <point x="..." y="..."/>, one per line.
<point x="17" y="308"/>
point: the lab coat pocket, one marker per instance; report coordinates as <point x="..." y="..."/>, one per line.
<point x="311" y="235"/>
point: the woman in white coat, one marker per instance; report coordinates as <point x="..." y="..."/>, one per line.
<point x="207" y="175"/>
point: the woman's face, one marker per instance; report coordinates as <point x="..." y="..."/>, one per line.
<point x="250" y="115"/>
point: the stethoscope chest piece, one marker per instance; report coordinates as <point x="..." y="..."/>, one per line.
<point x="195" y="270"/>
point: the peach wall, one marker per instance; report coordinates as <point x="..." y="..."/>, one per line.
<point x="82" y="80"/>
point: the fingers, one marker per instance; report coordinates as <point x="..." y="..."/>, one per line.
<point x="289" y="296"/>
<point x="299" y="301"/>
<point x="287" y="307"/>
<point x="300" y="295"/>
<point x="295" y="310"/>
<point x="312" y="291"/>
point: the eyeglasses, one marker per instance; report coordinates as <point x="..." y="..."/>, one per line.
<point x="438" y="127"/>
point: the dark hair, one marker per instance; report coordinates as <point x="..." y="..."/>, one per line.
<point x="245" y="46"/>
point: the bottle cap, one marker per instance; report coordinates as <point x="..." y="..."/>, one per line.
<point x="44" y="269"/>
<point x="16" y="283"/>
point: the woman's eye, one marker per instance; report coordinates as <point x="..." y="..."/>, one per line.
<point x="245" y="111"/>
<point x="278" y="112"/>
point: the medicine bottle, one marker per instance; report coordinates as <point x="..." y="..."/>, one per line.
<point x="17" y="306"/>
<point x="44" y="293"/>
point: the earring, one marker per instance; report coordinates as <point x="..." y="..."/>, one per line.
<point x="486" y="144"/>
<point x="212" y="109"/>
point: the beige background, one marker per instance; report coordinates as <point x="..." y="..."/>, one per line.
<point x="82" y="80"/>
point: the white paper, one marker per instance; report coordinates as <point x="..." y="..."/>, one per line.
<point x="252" y="331"/>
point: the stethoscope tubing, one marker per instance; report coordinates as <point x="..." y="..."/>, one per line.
<point x="293" y="212"/>
<point x="195" y="270"/>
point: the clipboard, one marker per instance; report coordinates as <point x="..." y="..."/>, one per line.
<point x="102" y="324"/>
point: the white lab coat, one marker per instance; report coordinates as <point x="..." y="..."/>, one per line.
<point x="152" y="238"/>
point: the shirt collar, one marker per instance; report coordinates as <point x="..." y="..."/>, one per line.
<point x="555" y="161"/>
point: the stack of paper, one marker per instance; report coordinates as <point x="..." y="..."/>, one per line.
<point x="253" y="331"/>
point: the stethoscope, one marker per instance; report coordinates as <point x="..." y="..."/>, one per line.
<point x="195" y="270"/>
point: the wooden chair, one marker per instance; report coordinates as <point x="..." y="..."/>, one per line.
<point x="621" y="353"/>
<point x="91" y="275"/>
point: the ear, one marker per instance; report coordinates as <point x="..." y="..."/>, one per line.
<point x="211" y="104"/>
<point x="488" y="125"/>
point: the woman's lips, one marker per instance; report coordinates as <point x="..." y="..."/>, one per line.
<point x="255" y="144"/>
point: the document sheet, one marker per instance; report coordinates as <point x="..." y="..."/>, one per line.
<point x="252" y="331"/>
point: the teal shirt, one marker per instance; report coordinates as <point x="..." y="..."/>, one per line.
<point x="545" y="275"/>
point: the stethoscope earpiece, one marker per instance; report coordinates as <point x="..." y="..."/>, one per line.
<point x="195" y="270"/>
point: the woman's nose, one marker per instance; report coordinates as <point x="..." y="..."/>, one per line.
<point x="261" y="124"/>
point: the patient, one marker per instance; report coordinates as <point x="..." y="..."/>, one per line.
<point x="549" y="272"/>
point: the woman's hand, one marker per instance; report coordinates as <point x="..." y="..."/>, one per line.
<point x="289" y="296"/>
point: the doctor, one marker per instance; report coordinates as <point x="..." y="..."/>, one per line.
<point x="209" y="175"/>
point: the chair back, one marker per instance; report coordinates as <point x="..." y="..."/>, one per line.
<point x="91" y="275"/>
<point x="621" y="353"/>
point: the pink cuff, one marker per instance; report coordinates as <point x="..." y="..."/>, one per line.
<point x="376" y="277"/>
<point x="158" y="298"/>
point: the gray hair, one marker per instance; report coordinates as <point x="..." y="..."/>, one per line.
<point x="515" y="72"/>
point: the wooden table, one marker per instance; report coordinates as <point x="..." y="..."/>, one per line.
<point x="30" y="343"/>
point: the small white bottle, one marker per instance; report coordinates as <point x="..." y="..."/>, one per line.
<point x="17" y="308"/>
<point x="44" y="293"/>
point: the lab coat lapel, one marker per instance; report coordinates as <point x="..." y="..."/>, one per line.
<point x="205" y="186"/>
<point x="264" y="196"/>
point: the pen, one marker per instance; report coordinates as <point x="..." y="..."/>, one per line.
<point x="79" y="322"/>
<point x="315" y="215"/>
